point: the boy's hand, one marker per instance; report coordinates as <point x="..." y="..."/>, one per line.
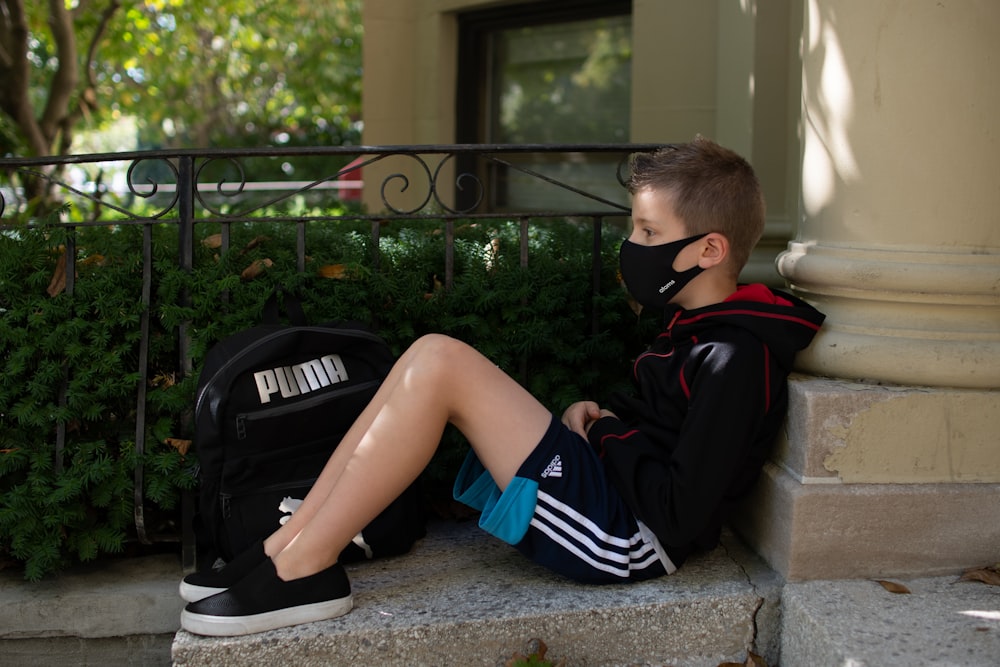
<point x="579" y="416"/>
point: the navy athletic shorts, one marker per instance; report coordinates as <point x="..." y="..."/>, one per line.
<point x="563" y="512"/>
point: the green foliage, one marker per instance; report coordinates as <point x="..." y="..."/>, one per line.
<point x="10" y="142"/>
<point x="212" y="73"/>
<point x="236" y="73"/>
<point x="72" y="360"/>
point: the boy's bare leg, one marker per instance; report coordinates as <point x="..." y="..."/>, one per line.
<point x="438" y="380"/>
<point x="338" y="460"/>
<point x="345" y="449"/>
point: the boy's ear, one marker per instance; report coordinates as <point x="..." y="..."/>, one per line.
<point x="714" y="250"/>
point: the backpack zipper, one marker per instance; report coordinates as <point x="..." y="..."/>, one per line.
<point x="312" y="401"/>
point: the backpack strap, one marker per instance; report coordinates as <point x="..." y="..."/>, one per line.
<point x="292" y="307"/>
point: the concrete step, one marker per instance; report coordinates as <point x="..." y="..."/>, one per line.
<point x="939" y="622"/>
<point x="464" y="598"/>
<point x="117" y="612"/>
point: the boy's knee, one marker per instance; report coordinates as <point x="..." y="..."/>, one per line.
<point x="434" y="342"/>
<point x="438" y="350"/>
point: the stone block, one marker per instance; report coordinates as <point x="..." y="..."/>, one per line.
<point x="886" y="434"/>
<point x="848" y="531"/>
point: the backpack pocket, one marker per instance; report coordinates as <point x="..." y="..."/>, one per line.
<point x="253" y="508"/>
<point x="321" y="416"/>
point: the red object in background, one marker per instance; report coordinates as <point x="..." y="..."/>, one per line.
<point x="350" y="176"/>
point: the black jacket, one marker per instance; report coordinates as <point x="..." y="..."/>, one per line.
<point x="711" y="396"/>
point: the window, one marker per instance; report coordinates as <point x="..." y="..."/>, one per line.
<point x="545" y="73"/>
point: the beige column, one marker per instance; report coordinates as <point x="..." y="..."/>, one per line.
<point x="891" y="464"/>
<point x="899" y="240"/>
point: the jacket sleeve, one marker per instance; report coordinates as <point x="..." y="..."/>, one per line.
<point x="678" y="491"/>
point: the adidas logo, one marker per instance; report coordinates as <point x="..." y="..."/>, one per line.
<point x="554" y="468"/>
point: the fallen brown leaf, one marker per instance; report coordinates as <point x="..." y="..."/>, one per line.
<point x="58" y="282"/>
<point x="892" y="586"/>
<point x="436" y="286"/>
<point x="535" y="650"/>
<point x="163" y="380"/>
<point x="633" y="305"/>
<point x="256" y="268"/>
<point x="96" y="260"/>
<point x="179" y="444"/>
<point x="214" y="241"/>
<point x="254" y="242"/>
<point x="986" y="575"/>
<point x="335" y="271"/>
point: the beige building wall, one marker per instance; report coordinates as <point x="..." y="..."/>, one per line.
<point x="721" y="69"/>
<point x="875" y="128"/>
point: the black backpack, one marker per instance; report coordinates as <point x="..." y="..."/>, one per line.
<point x="273" y="402"/>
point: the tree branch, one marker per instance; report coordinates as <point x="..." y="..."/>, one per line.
<point x="102" y="27"/>
<point x="61" y="115"/>
<point x="15" y="73"/>
<point x="66" y="77"/>
<point x="6" y="36"/>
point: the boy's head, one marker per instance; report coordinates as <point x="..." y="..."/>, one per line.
<point x="712" y="188"/>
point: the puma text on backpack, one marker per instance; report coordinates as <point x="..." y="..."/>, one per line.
<point x="273" y="402"/>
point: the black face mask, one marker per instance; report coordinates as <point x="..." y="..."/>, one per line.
<point x="649" y="274"/>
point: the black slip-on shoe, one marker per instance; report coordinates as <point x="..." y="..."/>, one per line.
<point x="262" y="601"/>
<point x="200" y="585"/>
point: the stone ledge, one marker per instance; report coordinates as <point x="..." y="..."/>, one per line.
<point x="462" y="597"/>
<point x="135" y="596"/>
<point x="117" y="612"/>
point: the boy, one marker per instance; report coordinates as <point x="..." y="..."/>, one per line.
<point x="606" y="494"/>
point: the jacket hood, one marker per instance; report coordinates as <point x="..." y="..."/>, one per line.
<point x="785" y="323"/>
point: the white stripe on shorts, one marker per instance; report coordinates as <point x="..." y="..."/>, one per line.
<point x="602" y="547"/>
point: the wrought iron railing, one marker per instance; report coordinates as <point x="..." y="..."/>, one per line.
<point x="187" y="188"/>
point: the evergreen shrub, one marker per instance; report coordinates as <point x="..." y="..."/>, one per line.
<point x="72" y="359"/>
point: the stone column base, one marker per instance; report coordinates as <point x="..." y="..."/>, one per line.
<point x="851" y="531"/>
<point x="876" y="481"/>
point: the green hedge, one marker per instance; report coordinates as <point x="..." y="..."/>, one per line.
<point x="533" y="322"/>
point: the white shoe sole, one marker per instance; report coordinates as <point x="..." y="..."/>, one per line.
<point x="233" y="626"/>
<point x="192" y="593"/>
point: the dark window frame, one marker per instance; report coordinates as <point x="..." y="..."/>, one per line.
<point x="475" y="30"/>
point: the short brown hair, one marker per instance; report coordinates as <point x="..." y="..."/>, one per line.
<point x="713" y="190"/>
